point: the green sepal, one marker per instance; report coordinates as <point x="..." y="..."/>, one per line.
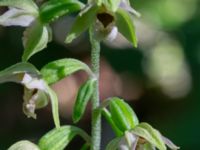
<point x="84" y="94"/>
<point x="58" y="139"/>
<point x="169" y="143"/>
<point x="114" y="144"/>
<point x="122" y="114"/>
<point x="35" y="39"/>
<point x="150" y="134"/>
<point x="16" y="72"/>
<point x="24" y="145"/>
<point x="57" y="70"/>
<point x="111" y="5"/>
<point x="82" y="23"/>
<point x="54" y="9"/>
<point x="27" y="5"/>
<point x="98" y="2"/>
<point x="54" y="105"/>
<point x="125" y="25"/>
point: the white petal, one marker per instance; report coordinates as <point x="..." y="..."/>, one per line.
<point x="128" y="8"/>
<point x="16" y="17"/>
<point x="129" y="141"/>
<point x="112" y="35"/>
<point x="33" y="83"/>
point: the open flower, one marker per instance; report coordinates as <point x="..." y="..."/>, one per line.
<point x="142" y="137"/>
<point x="109" y="17"/>
<point x="37" y="93"/>
<point x="131" y="135"/>
<point x="26" y="13"/>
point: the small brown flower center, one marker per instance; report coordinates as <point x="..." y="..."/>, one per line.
<point x="3" y="9"/>
<point x="34" y="91"/>
<point x="105" y="18"/>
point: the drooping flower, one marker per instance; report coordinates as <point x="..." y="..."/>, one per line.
<point x="131" y="135"/>
<point x="108" y="17"/>
<point x="37" y="93"/>
<point x="142" y="137"/>
<point x="26" y="13"/>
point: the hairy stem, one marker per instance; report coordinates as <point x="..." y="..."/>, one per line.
<point x="96" y="117"/>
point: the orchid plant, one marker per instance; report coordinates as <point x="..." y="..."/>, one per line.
<point x="104" y="19"/>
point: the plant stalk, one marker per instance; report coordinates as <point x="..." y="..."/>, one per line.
<point x="96" y="117"/>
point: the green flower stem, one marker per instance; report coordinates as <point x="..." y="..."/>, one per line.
<point x="96" y="117"/>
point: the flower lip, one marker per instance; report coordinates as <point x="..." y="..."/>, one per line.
<point x="105" y="18"/>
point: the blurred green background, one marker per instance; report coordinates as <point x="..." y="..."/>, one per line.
<point x="160" y="79"/>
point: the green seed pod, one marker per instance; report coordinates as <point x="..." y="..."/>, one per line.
<point x="122" y="114"/>
<point x="84" y="94"/>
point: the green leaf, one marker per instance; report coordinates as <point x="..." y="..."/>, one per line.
<point x="122" y="114"/>
<point x="84" y="94"/>
<point x="113" y="144"/>
<point x="57" y="70"/>
<point x="27" y="5"/>
<point x="125" y="25"/>
<point x="145" y="131"/>
<point x="54" y="9"/>
<point x="58" y="139"/>
<point x="82" y="23"/>
<point x="24" y="145"/>
<point x="35" y="39"/>
<point x="111" y="5"/>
